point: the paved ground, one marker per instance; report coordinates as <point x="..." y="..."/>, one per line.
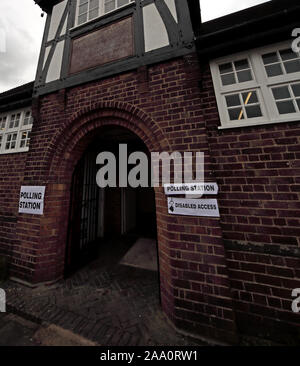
<point x="105" y="302"/>
<point x="17" y="331"/>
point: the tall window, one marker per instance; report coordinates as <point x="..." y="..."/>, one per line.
<point x="91" y="9"/>
<point x="15" y="128"/>
<point x="2" y="123"/>
<point x="14" y="120"/>
<point x="259" y="86"/>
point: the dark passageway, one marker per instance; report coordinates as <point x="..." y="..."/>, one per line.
<point x="111" y="226"/>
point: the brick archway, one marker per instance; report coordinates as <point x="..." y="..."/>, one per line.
<point x="70" y="144"/>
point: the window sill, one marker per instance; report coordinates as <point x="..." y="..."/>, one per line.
<point x="26" y="149"/>
<point x="240" y="125"/>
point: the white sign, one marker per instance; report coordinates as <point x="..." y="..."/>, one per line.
<point x="197" y="189"/>
<point x="2" y="301"/>
<point x="193" y="207"/>
<point x="32" y="200"/>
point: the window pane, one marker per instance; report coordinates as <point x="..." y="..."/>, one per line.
<point x="109" y="5"/>
<point x="286" y="107"/>
<point x="233" y="100"/>
<point x="94" y="4"/>
<point x="236" y="114"/>
<point x="298" y="103"/>
<point x="292" y="66"/>
<point x="228" y="79"/>
<point x="83" y="2"/>
<point x="270" y="58"/>
<point x="93" y="13"/>
<point x="274" y="70"/>
<point x="253" y="111"/>
<point x="27" y="119"/>
<point x="2" y="123"/>
<point x="82" y="18"/>
<point x="296" y="90"/>
<point x="241" y="65"/>
<point x="17" y="121"/>
<point x="12" y="120"/>
<point x="281" y="93"/>
<point x="122" y="2"/>
<point x="250" y="97"/>
<point x="83" y="9"/>
<point x="288" y="55"/>
<point x="244" y="76"/>
<point x="226" y="68"/>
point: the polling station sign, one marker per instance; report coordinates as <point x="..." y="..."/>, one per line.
<point x="197" y="189"/>
<point x="193" y="207"/>
<point x="32" y="200"/>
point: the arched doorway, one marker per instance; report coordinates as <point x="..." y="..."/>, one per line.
<point x="69" y="146"/>
<point x="114" y="225"/>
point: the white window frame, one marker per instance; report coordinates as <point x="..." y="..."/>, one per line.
<point x="5" y="132"/>
<point x="262" y="83"/>
<point x="101" y="11"/>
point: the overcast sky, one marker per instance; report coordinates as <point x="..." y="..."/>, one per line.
<point x="22" y="27"/>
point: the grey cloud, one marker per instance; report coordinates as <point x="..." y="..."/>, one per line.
<point x="17" y="60"/>
<point x="215" y="8"/>
<point x="20" y="20"/>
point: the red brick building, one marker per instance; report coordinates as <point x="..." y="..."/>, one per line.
<point x="149" y="74"/>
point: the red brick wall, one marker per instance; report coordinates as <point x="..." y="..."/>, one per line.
<point x="11" y="174"/>
<point x="164" y="110"/>
<point x="207" y="287"/>
<point x="258" y="171"/>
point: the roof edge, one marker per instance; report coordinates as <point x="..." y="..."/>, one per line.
<point x="249" y="28"/>
<point x="21" y="96"/>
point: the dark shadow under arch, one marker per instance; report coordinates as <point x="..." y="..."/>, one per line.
<point x="70" y="144"/>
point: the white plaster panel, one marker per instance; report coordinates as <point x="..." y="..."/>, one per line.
<point x="56" y="63"/>
<point x="172" y="7"/>
<point x="156" y="35"/>
<point x="57" y="14"/>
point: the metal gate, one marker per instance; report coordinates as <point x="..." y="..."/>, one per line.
<point x="83" y="222"/>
